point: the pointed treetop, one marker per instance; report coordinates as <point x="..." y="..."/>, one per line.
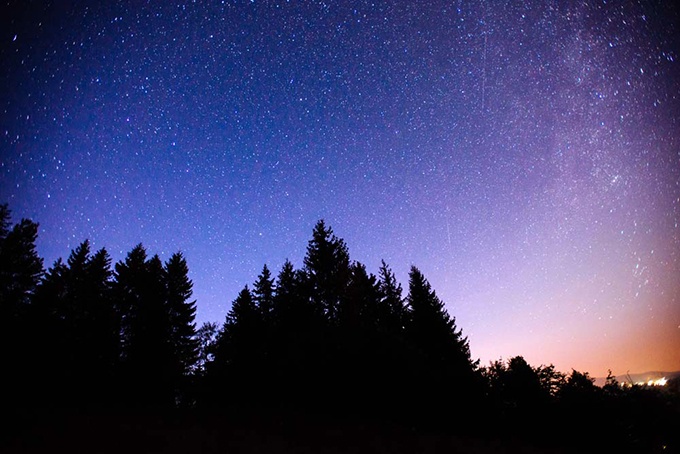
<point x="263" y="291"/>
<point x="79" y="256"/>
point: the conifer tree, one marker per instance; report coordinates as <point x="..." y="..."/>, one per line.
<point x="20" y="271"/>
<point x="237" y="353"/>
<point x="285" y="295"/>
<point x="392" y="309"/>
<point x="49" y="346"/>
<point x="102" y="330"/>
<point x="263" y="294"/>
<point x="76" y="337"/>
<point x="20" y="265"/>
<point x="432" y="330"/>
<point x="75" y="310"/>
<point x="237" y="339"/>
<point x="327" y="266"/>
<point x="130" y="275"/>
<point x="151" y="349"/>
<point x="147" y="348"/>
<point x="293" y="309"/>
<point x="359" y="307"/>
<point x="182" y="314"/>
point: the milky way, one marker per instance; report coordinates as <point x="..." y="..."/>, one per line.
<point x="525" y="156"/>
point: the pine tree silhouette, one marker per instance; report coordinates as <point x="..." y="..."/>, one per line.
<point x="20" y="265"/>
<point x="359" y="306"/>
<point x="263" y="294"/>
<point x="147" y="358"/>
<point x="50" y="344"/>
<point x="238" y="353"/>
<point x="432" y="329"/>
<point x="293" y="310"/>
<point x="20" y="271"/>
<point x="182" y="314"/>
<point x="130" y="276"/>
<point x="444" y="350"/>
<point x="392" y="314"/>
<point x="327" y="266"/>
<point x="240" y="329"/>
<point x="78" y="329"/>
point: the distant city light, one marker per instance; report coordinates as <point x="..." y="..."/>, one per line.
<point x="652" y="382"/>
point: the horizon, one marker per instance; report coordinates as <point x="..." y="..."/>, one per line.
<point x="524" y="157"/>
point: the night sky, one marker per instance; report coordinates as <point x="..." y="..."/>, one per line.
<point x="525" y="156"/>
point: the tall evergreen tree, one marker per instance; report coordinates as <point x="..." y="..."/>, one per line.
<point x="76" y="337"/>
<point x="237" y="352"/>
<point x="237" y="340"/>
<point x="20" y="272"/>
<point x="293" y="309"/>
<point x="263" y="294"/>
<point x="20" y="265"/>
<point x="434" y="332"/>
<point x="392" y="316"/>
<point x="243" y="317"/>
<point x="327" y="266"/>
<point x="49" y="346"/>
<point x="182" y="314"/>
<point x="285" y="295"/>
<point x="147" y="347"/>
<point x="130" y="276"/>
<point x="359" y="307"/>
<point x="103" y="331"/>
<point x="75" y="311"/>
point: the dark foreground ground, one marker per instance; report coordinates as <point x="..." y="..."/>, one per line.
<point x="155" y="432"/>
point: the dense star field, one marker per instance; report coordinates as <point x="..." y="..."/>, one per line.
<point x="524" y="156"/>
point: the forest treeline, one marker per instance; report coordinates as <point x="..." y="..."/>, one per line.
<point x="328" y="337"/>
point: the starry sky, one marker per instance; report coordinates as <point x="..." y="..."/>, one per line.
<point x="524" y="155"/>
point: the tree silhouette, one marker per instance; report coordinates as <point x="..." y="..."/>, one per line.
<point x="49" y="347"/>
<point x="518" y="384"/>
<point x="263" y="294"/>
<point x="240" y="328"/>
<point x="237" y="351"/>
<point x="89" y="317"/>
<point x="612" y="387"/>
<point x="103" y="332"/>
<point x="20" y="266"/>
<point x="444" y="351"/>
<point x="392" y="312"/>
<point x="182" y="313"/>
<point x="293" y="311"/>
<point x="147" y="357"/>
<point x="431" y="328"/>
<point x="327" y="267"/>
<point x="130" y="277"/>
<point x="579" y="388"/>
<point x="359" y="306"/>
<point x="550" y="378"/>
<point x="20" y="271"/>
